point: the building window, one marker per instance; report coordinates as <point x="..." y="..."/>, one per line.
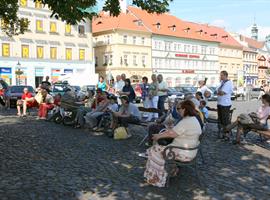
<point x="125" y="39"/>
<point x="167" y="46"/>
<point x="143" y="61"/>
<point x="134" y="39"/>
<point x="38" y="4"/>
<point x="5" y="50"/>
<point x="39" y="26"/>
<point x="108" y="39"/>
<point x="194" y="49"/>
<point x="126" y="60"/>
<point x="40" y="52"/>
<point x="143" y="40"/>
<point x="106" y="59"/>
<point x="68" y="53"/>
<point x="25" y="51"/>
<point x="111" y="60"/>
<point x="53" y="53"/>
<point x="135" y="60"/>
<point x="81" y="30"/>
<point x="81" y="54"/>
<point x="203" y="49"/>
<point x="96" y="61"/>
<point x="23" y="3"/>
<point x="68" y="29"/>
<point x="53" y="27"/>
<point x="186" y="48"/>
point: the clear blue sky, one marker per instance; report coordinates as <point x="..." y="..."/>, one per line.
<point x="234" y="15"/>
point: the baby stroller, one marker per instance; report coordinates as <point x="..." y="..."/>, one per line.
<point x="66" y="113"/>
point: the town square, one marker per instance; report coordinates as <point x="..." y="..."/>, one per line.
<point x="122" y="100"/>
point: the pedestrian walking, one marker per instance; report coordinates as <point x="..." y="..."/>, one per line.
<point x="153" y="97"/>
<point x="162" y="93"/>
<point x="224" y="103"/>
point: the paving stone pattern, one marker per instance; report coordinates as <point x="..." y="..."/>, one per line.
<point x="42" y="160"/>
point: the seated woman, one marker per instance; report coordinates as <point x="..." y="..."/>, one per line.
<point x="92" y="118"/>
<point x="46" y="105"/>
<point x="26" y="94"/>
<point x="185" y="134"/>
<point x="128" y="91"/>
<point x="128" y="113"/>
<point x="255" y="121"/>
<point x="89" y="102"/>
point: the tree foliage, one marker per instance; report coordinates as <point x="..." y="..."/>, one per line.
<point x="71" y="11"/>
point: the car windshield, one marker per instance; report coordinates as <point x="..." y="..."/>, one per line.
<point x="19" y="89"/>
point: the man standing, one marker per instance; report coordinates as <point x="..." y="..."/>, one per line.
<point x="162" y="93"/>
<point x="224" y="103"/>
<point x="118" y="87"/>
<point x="46" y="84"/>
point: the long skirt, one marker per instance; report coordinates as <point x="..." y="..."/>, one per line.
<point x="155" y="172"/>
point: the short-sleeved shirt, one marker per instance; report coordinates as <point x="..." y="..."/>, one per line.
<point x="188" y="131"/>
<point x="227" y="88"/>
<point x="131" y="96"/>
<point x="102" y="86"/>
<point x="162" y="85"/>
<point x="49" y="99"/>
<point x="26" y="95"/>
<point x="153" y="89"/>
<point x="131" y="109"/>
<point x="204" y="110"/>
<point x="118" y="86"/>
<point x="145" y="90"/>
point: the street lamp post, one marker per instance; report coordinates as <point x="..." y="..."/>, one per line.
<point x="18" y="73"/>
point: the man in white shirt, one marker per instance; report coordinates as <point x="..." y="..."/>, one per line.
<point x="118" y="86"/>
<point x="162" y="93"/>
<point x="224" y="103"/>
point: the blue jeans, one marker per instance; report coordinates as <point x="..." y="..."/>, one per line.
<point x="161" y="103"/>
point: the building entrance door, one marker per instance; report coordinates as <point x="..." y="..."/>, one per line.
<point x="38" y="80"/>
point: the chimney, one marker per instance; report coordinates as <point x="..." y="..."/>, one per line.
<point x="123" y="6"/>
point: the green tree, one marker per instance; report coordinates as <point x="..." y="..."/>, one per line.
<point x="71" y="11"/>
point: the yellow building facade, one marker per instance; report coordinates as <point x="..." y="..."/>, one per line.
<point x="231" y="60"/>
<point x="123" y="51"/>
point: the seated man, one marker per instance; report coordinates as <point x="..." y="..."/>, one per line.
<point x="128" y="113"/>
<point x="45" y="106"/>
<point x="26" y="94"/>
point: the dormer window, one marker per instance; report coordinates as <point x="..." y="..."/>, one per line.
<point x="138" y="22"/>
<point x="158" y="25"/>
<point x="173" y="27"/>
<point x="200" y="31"/>
<point x="225" y="37"/>
<point x="214" y="35"/>
<point x="187" y="29"/>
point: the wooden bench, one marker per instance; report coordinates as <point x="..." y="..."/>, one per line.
<point x="170" y="161"/>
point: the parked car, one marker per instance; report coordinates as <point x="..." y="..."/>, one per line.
<point x="16" y="92"/>
<point x="59" y="88"/>
<point x="214" y="95"/>
<point x="88" y="87"/>
<point x="255" y="93"/>
<point x="174" y="94"/>
<point x="186" y="89"/>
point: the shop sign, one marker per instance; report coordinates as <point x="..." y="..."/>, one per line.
<point x="39" y="72"/>
<point x="5" y="70"/>
<point x="181" y="55"/>
<point x="68" y="71"/>
<point x="194" y="56"/>
<point x="188" y="71"/>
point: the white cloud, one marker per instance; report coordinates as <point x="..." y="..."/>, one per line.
<point x="220" y="23"/>
<point x="263" y="31"/>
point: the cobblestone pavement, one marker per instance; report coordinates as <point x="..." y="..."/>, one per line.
<point x="42" y="160"/>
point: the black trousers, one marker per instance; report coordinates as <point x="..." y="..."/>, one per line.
<point x="224" y="117"/>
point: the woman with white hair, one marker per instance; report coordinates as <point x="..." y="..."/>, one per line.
<point x="206" y="92"/>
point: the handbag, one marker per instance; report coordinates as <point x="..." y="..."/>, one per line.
<point x="121" y="133"/>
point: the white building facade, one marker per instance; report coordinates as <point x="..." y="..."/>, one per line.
<point x="185" y="61"/>
<point x="50" y="47"/>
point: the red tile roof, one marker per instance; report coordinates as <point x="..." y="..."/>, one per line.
<point x="169" y="25"/>
<point x="252" y="43"/>
<point x="106" y="22"/>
